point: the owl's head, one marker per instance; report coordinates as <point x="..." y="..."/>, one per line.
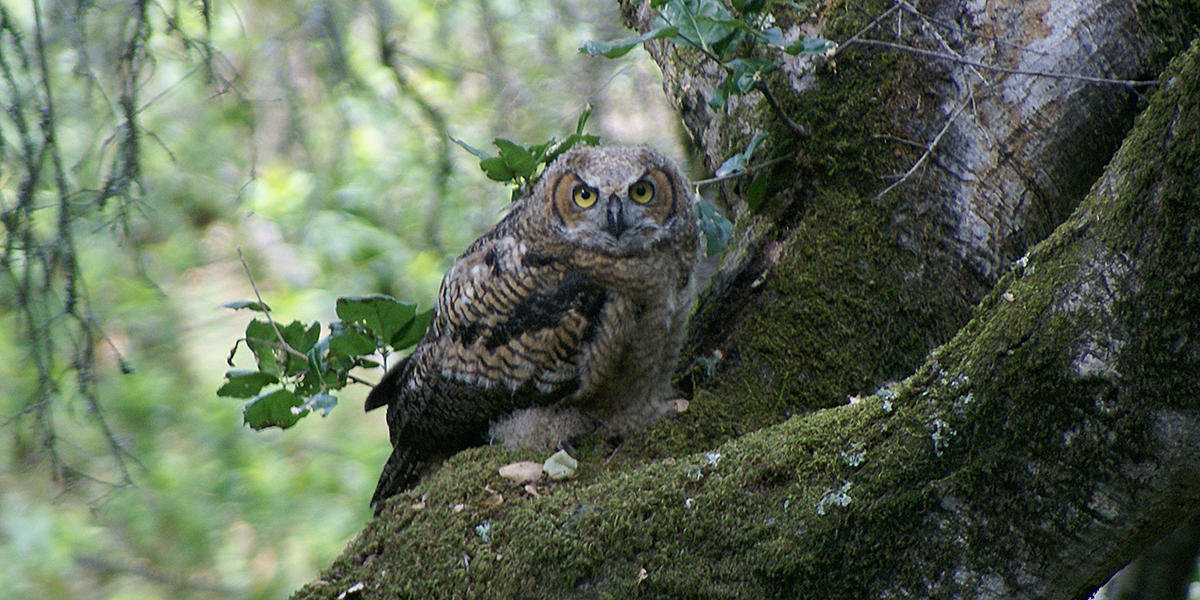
<point x="615" y="200"/>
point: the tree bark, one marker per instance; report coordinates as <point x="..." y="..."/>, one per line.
<point x="833" y="290"/>
<point x="1030" y="456"/>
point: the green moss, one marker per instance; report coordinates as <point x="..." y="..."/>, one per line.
<point x="992" y="423"/>
<point x="840" y="307"/>
<point x="1176" y="23"/>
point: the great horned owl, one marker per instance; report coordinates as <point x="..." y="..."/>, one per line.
<point x="563" y="319"/>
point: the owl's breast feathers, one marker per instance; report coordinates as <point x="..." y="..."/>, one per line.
<point x="516" y="325"/>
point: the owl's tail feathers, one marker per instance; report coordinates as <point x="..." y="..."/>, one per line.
<point x="400" y="473"/>
<point x="388" y="388"/>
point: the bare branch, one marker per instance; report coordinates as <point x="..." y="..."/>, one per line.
<point x="928" y="149"/>
<point x="965" y="61"/>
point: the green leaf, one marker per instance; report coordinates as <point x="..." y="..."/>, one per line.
<point x="621" y="47"/>
<point x="807" y="46"/>
<point x="469" y="148"/>
<point x="240" y="383"/>
<point x="495" y="169"/>
<point x="382" y="316"/>
<point x="772" y="36"/>
<point x="703" y="24"/>
<point x="737" y="162"/>
<point x="517" y="158"/>
<point x="583" y="119"/>
<point x="273" y="409"/>
<point x="716" y="228"/>
<point x="539" y="150"/>
<point x="350" y="341"/>
<point x="571" y="141"/>
<point x="742" y="75"/>
<point x="748" y="7"/>
<point x="413" y="331"/>
<point x="250" y="304"/>
<point x="301" y="338"/>
<point x="720" y="95"/>
<point x="322" y="402"/>
<point x="260" y="337"/>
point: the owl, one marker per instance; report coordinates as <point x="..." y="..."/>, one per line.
<point x="565" y="318"/>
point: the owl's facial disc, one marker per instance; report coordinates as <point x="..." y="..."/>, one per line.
<point x="615" y="213"/>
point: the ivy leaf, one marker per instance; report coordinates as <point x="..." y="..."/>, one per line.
<point x="273" y="409"/>
<point x="240" y="383"/>
<point x="250" y="304"/>
<point x="621" y="47"/>
<point x="381" y="315"/>
<point x="809" y="46"/>
<point x="413" y="331"/>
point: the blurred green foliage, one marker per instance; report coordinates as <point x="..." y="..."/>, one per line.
<point x="314" y="137"/>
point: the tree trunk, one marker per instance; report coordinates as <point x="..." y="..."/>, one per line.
<point x="1031" y="455"/>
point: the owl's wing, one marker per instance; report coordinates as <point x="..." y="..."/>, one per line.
<point x="508" y="323"/>
<point x="511" y="324"/>
<point x="509" y="327"/>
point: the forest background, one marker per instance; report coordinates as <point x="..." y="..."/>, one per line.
<point x="312" y="137"/>
<point x="146" y="147"/>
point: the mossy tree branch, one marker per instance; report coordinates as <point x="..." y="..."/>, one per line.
<point x="1030" y="456"/>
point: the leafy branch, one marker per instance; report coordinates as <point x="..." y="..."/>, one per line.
<point x="744" y="42"/>
<point x="740" y="44"/>
<point x="298" y="370"/>
<point x="522" y="165"/>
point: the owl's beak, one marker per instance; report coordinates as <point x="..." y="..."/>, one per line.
<point x="616" y="217"/>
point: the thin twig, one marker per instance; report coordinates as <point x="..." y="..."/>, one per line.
<point x="266" y="312"/>
<point x="974" y="34"/>
<point x="359" y="380"/>
<point x="965" y="61"/>
<point x="928" y="150"/>
<point x="747" y="171"/>
<point x="766" y="92"/>
<point x="278" y="346"/>
<point x="866" y="28"/>
<point x="895" y="138"/>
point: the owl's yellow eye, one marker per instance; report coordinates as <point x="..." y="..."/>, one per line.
<point x="584" y="196"/>
<point x="642" y="192"/>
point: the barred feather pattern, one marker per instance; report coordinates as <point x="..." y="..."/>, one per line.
<point x="559" y="321"/>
